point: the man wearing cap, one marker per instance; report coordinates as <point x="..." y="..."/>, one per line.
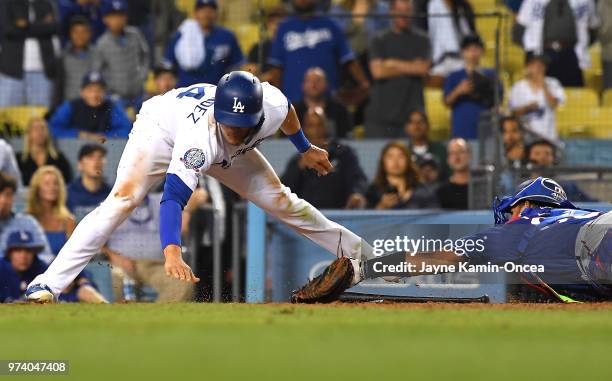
<point x="122" y="54"/>
<point x="89" y="189"/>
<point x="92" y="116"/>
<point x="201" y="50"/>
<point x="10" y="221"/>
<point x="20" y="264"/>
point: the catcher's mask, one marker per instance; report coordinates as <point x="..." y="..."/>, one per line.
<point x="541" y="190"/>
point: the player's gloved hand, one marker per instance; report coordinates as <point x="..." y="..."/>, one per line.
<point x="175" y="266"/>
<point x="317" y="158"/>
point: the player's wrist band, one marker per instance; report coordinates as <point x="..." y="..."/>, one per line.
<point x="299" y="141"/>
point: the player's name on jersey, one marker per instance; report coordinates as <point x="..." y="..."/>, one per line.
<point x="382" y="269"/>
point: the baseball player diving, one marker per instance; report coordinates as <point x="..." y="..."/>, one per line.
<point x="550" y="244"/>
<point x="211" y="129"/>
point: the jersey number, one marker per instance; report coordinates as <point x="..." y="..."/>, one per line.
<point x="196" y="92"/>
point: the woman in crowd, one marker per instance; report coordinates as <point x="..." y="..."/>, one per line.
<point x="39" y="150"/>
<point x="46" y="202"/>
<point x="397" y="182"/>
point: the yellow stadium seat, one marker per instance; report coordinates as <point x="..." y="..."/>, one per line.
<point x="513" y="61"/>
<point x="482" y="5"/>
<point x="595" y="52"/>
<point x="607" y="98"/>
<point x="185" y="6"/>
<point x="580" y="99"/>
<point x="593" y="80"/>
<point x="247" y="35"/>
<point x="600" y="123"/>
<point x="594" y="122"/>
<point x="575" y="117"/>
<point x="438" y="114"/>
<point x="572" y="124"/>
<point x="486" y="27"/>
<point x="19" y="116"/>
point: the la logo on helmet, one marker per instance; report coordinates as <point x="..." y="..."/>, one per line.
<point x="238" y="106"/>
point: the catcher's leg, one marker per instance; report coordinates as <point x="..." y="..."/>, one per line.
<point x="253" y="178"/>
<point x="141" y="167"/>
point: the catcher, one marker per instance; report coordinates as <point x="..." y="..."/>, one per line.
<point x="538" y="227"/>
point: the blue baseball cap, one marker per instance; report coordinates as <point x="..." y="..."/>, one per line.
<point x="93" y="77"/>
<point x="114" y="6"/>
<point x="23" y="239"/>
<point x="206" y="3"/>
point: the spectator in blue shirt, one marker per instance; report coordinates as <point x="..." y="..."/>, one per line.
<point x="201" y="50"/>
<point x="91" y="116"/>
<point x="307" y="40"/>
<point x="89" y="9"/>
<point x="20" y="264"/>
<point x="90" y="189"/>
<point x="469" y="91"/>
<point x="10" y="221"/>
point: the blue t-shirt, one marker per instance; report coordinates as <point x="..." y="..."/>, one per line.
<point x="541" y="236"/>
<point x="465" y="111"/>
<point x="301" y="44"/>
<point x="222" y="54"/>
<point x="80" y="201"/>
<point x="13" y="284"/>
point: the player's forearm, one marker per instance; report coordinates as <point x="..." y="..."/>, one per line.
<point x="291" y="124"/>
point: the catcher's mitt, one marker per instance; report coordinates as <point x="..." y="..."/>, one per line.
<point x="328" y="286"/>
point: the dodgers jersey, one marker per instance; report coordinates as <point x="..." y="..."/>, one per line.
<point x="186" y="117"/>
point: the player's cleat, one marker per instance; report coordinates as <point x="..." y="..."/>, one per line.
<point x="39" y="293"/>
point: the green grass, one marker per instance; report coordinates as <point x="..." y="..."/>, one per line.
<point x="340" y="342"/>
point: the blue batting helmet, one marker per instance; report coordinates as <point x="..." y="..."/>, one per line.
<point x="542" y="190"/>
<point x="239" y="100"/>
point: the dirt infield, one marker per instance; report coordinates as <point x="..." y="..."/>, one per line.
<point x="453" y="306"/>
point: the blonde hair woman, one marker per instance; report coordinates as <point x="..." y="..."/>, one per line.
<point x="46" y="202"/>
<point x="39" y="150"/>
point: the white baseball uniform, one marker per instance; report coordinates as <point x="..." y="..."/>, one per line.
<point x="176" y="133"/>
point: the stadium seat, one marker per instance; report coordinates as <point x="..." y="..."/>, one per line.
<point x="486" y="27"/>
<point x="247" y="35"/>
<point x="577" y="117"/>
<point x="513" y="61"/>
<point x="19" y="116"/>
<point x="580" y="99"/>
<point x="600" y="123"/>
<point x="595" y="52"/>
<point x="483" y="5"/>
<point x="607" y="98"/>
<point x="185" y="6"/>
<point x="572" y="124"/>
<point x="438" y="114"/>
<point x="592" y="122"/>
<point x="593" y="79"/>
